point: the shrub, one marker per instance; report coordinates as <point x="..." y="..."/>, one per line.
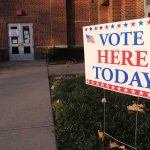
<point x="3" y="55"/>
<point x="63" y="54"/>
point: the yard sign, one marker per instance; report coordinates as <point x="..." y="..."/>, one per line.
<point x="117" y="56"/>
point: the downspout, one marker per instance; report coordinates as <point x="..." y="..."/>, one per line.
<point x="51" y="25"/>
<point x="98" y="11"/>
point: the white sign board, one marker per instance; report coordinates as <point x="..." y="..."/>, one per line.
<point x="117" y="56"/>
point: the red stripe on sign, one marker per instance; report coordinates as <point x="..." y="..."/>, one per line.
<point x="119" y="89"/>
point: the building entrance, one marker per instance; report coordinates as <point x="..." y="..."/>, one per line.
<point x="21" y="41"/>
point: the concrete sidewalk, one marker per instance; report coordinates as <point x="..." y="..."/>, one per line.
<point x="65" y="69"/>
<point x="26" y="121"/>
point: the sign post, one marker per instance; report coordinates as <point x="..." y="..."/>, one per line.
<point x="117" y="56"/>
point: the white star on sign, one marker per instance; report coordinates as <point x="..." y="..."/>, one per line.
<point x="119" y="88"/>
<point x="113" y="87"/>
<point x="133" y="91"/>
<point x="93" y="82"/>
<point x="148" y="94"/>
<point x="126" y="90"/>
<point x="141" y="93"/>
<point x="107" y="86"/>
<point x="102" y="84"/>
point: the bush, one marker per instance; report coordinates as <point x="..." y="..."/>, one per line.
<point x="63" y="54"/>
<point x="79" y="116"/>
<point x="3" y="55"/>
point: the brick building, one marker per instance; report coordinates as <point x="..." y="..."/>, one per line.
<point x="29" y="27"/>
<point x="147" y="8"/>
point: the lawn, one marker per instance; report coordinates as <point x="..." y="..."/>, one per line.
<point x="79" y="114"/>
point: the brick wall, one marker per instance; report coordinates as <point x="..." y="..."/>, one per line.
<point x="140" y="8"/>
<point x="60" y="22"/>
<point x="104" y="13"/>
<point x="116" y="10"/>
<point x="128" y="11"/>
<point x="80" y="13"/>
<point x="132" y="9"/>
<point x="49" y="21"/>
<point x="121" y="10"/>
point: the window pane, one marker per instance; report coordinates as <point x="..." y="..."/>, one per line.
<point x="26" y="35"/>
<point x="14" y="40"/>
<point x="147" y="2"/>
<point x="13" y="28"/>
<point x="15" y="50"/>
<point x="27" y="50"/>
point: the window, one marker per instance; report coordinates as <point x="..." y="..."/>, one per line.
<point x="147" y="2"/>
<point x="15" y="50"/>
<point x="14" y="28"/>
<point x="27" y="50"/>
<point x="14" y="40"/>
<point x="26" y="35"/>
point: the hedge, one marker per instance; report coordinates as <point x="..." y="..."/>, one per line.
<point x="61" y="54"/>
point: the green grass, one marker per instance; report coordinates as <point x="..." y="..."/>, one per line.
<point x="78" y="113"/>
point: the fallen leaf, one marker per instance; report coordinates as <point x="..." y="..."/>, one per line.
<point x="58" y="101"/>
<point x="69" y="62"/>
<point x="104" y="100"/>
<point x="136" y="107"/>
<point x="52" y="88"/>
<point x="113" y="145"/>
<point x="123" y="147"/>
<point x="101" y="135"/>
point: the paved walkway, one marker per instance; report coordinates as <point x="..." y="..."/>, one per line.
<point x="25" y="110"/>
<point x="66" y="69"/>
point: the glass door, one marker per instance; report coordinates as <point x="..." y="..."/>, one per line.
<point x="21" y="45"/>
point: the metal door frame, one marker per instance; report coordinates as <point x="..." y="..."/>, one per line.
<point x="21" y="45"/>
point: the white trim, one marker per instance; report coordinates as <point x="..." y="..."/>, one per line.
<point x="76" y="45"/>
<point x="52" y="46"/>
<point x="57" y="46"/>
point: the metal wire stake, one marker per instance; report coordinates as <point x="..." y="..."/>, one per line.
<point x="136" y="125"/>
<point x="104" y="114"/>
<point x="104" y="111"/>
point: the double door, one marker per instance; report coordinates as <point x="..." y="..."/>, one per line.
<point x="21" y="45"/>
